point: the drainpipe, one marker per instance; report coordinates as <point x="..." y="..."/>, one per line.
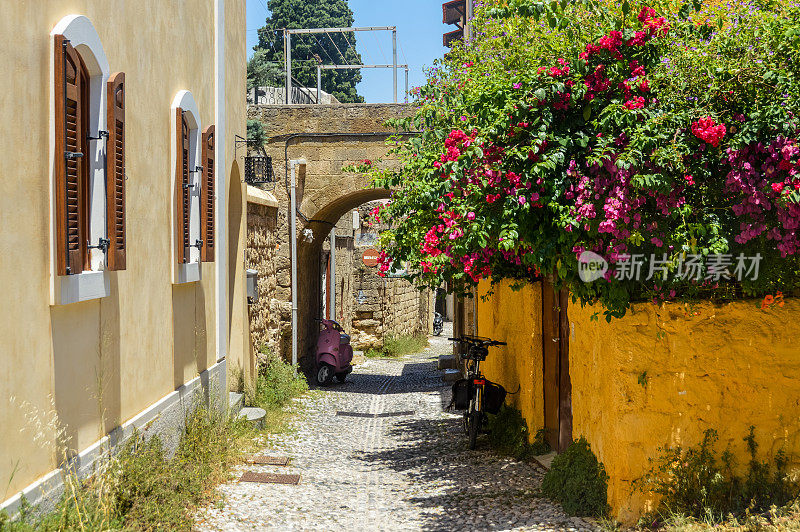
<point x="293" y="239"/>
<point x="332" y="294"/>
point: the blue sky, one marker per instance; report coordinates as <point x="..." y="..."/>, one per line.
<point x="419" y="38"/>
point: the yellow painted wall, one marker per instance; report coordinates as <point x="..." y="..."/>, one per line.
<point x="726" y="368"/>
<point x="239" y="349"/>
<point x="101" y="362"/>
<point x="515" y="317"/>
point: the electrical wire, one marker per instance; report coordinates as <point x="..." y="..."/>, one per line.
<point x="337" y="48"/>
<point x="323" y="48"/>
<point x="350" y="46"/>
<point x="380" y="48"/>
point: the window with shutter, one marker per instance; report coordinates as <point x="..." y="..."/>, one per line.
<point x="182" y="183"/>
<point x="72" y="177"/>
<point x="115" y="172"/>
<point x="207" y="192"/>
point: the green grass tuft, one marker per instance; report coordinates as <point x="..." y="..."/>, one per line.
<point x="578" y="481"/>
<point x="398" y="346"/>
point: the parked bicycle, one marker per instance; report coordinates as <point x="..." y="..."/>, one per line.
<point x="476" y="395"/>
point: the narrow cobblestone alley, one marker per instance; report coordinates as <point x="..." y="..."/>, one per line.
<point x="410" y="471"/>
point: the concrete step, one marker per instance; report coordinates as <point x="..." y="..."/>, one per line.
<point x="545" y="460"/>
<point x="451" y="375"/>
<point x="235" y="401"/>
<point x="253" y="415"/>
<point x="447" y="362"/>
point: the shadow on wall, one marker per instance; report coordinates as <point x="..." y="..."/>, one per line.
<point x="87" y="370"/>
<point x="190" y="345"/>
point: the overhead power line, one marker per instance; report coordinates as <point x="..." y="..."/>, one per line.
<point x="337" y="48"/>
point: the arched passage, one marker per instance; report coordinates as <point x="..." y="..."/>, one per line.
<point x="309" y="287"/>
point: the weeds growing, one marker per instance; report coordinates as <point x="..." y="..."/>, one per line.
<point x="397" y="346"/>
<point x="696" y="484"/>
<point x="143" y="488"/>
<point x="578" y="481"/>
<point x="277" y="383"/>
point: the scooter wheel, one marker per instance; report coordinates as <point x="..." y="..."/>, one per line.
<point x="324" y="374"/>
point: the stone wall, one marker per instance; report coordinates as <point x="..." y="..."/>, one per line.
<point x="261" y="255"/>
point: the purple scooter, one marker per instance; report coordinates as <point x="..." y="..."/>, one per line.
<point x="334" y="353"/>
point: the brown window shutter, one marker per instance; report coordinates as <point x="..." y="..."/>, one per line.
<point x="207" y="196"/>
<point x="71" y="172"/>
<point x="182" y="184"/>
<point x="115" y="168"/>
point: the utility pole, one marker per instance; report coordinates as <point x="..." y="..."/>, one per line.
<point x="468" y="22"/>
<point x="394" y="61"/>
<point x="287" y="54"/>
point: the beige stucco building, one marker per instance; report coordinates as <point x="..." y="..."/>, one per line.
<point x="108" y="335"/>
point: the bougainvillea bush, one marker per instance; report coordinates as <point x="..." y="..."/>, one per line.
<point x="668" y="131"/>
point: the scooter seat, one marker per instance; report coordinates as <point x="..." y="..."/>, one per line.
<point x="344" y="338"/>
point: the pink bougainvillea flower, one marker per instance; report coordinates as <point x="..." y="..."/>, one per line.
<point x="709" y="131"/>
<point x="635" y="103"/>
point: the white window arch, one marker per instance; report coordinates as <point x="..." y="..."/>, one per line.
<point x="91" y="283"/>
<point x="189" y="270"/>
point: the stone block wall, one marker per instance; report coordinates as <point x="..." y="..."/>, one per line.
<point x="271" y="310"/>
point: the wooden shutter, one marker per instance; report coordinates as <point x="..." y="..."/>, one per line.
<point x="71" y="86"/>
<point x="182" y="184"/>
<point x="115" y="172"/>
<point x="207" y="196"/>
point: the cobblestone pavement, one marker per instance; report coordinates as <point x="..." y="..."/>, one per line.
<point x="406" y="472"/>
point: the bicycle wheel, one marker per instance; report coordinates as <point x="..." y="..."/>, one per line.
<point x="475" y="419"/>
<point x="474" y="423"/>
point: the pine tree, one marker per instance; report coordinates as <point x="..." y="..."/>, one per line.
<point x="338" y="48"/>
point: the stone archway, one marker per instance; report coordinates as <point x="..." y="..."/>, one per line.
<point x="308" y="264"/>
<point x="326" y="138"/>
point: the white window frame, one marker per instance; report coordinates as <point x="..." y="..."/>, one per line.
<point x="93" y="283"/>
<point x="186" y="272"/>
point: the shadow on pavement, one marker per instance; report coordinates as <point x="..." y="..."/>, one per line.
<point x="465" y="489"/>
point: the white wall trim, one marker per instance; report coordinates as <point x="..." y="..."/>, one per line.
<point x="83" y="287"/>
<point x="184" y="272"/>
<point x="221" y="230"/>
<point x="84" y="38"/>
<point x="47" y="487"/>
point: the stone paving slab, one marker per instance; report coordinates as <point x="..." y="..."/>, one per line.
<point x="387" y="473"/>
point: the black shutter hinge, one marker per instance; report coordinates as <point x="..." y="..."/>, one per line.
<point x="196" y="169"/>
<point x="102" y="244"/>
<point x="198" y="243"/>
<point x="100" y="135"/>
<point x="72" y="155"/>
<point x="187" y="185"/>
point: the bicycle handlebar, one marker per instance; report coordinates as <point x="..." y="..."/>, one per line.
<point x="477" y="341"/>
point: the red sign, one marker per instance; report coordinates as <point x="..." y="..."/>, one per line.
<point x="370" y="258"/>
